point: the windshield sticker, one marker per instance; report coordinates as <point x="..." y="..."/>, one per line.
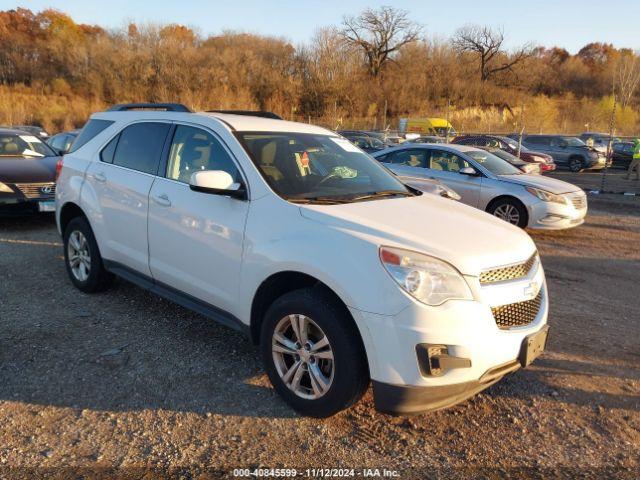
<point x="345" y="144"/>
<point x="30" y="139"/>
<point x="345" y="172"/>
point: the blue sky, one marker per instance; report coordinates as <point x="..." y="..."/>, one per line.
<point x="568" y="23"/>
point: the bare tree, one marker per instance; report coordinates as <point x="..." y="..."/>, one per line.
<point x="487" y="44"/>
<point x="379" y="34"/>
<point x="628" y="76"/>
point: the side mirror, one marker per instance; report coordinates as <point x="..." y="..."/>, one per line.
<point x="217" y="182"/>
<point x="472" y="172"/>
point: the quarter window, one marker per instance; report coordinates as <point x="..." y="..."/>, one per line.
<point x="140" y="146"/>
<point x="106" y="155"/>
<point x="193" y="149"/>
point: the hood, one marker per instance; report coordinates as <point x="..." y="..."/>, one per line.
<point x="465" y="237"/>
<point x="539" y="181"/>
<point x="28" y="169"/>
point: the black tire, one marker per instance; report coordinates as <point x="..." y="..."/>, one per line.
<point x="576" y="164"/>
<point x="350" y="369"/>
<point x="98" y="278"/>
<point x="504" y="205"/>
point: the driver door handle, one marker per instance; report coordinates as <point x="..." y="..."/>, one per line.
<point x="100" y="177"/>
<point x="162" y="199"/>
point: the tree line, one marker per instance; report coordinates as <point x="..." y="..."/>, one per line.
<point x="367" y="72"/>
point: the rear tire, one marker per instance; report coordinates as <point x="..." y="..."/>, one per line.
<point x="510" y="210"/>
<point x="82" y="258"/>
<point x="575" y="164"/>
<point x="313" y="353"/>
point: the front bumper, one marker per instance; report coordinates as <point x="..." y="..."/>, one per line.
<point x="466" y="328"/>
<point x="597" y="163"/>
<point x="396" y="399"/>
<point x="554" y="216"/>
<point x="14" y="205"/>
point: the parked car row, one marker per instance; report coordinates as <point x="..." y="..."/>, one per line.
<point x="506" y="144"/>
<point x="343" y="274"/>
<point x="489" y="183"/>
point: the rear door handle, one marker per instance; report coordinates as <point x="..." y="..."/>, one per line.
<point x="100" y="177"/>
<point x="162" y="199"/>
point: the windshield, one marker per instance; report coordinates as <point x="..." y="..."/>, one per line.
<point x="506" y="156"/>
<point x="301" y="166"/>
<point x="513" y="144"/>
<point x="494" y="164"/>
<point x="573" y="142"/>
<point x="23" y="145"/>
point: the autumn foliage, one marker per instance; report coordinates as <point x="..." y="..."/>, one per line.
<point x="56" y="72"/>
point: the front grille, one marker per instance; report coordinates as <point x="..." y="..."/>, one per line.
<point x="508" y="273"/>
<point x="579" y="201"/>
<point x="37" y="190"/>
<point x="517" y="314"/>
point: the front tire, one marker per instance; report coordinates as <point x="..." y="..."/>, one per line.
<point x="575" y="164"/>
<point x="510" y="210"/>
<point x="82" y="258"/>
<point x="313" y="353"/>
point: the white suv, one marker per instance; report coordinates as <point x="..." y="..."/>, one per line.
<point x="341" y="273"/>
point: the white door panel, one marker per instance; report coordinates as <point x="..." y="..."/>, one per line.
<point x="195" y="241"/>
<point x="122" y="195"/>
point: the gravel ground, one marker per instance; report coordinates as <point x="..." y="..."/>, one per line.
<point x="126" y="384"/>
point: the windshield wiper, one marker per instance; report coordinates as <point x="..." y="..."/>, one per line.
<point x="316" y="200"/>
<point x="379" y="194"/>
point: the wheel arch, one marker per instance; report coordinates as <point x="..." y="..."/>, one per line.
<point x="277" y="285"/>
<point x="510" y="198"/>
<point x="68" y="212"/>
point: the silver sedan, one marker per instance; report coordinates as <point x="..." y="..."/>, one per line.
<point x="489" y="183"/>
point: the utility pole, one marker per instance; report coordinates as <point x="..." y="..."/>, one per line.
<point x="612" y="127"/>
<point x="521" y="131"/>
<point x="384" y="116"/>
<point x="448" y="113"/>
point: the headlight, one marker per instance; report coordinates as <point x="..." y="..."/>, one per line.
<point x="5" y="188"/>
<point x="547" y="196"/>
<point x="446" y="192"/>
<point x="425" y="278"/>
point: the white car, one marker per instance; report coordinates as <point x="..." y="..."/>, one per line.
<point x="489" y="183"/>
<point x="339" y="272"/>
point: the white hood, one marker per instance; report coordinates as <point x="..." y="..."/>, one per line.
<point x="467" y="238"/>
<point x="540" y="181"/>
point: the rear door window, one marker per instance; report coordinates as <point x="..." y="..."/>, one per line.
<point x="542" y="141"/>
<point x="140" y="146"/>
<point x="409" y="158"/>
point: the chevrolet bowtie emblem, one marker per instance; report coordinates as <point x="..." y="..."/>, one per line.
<point x="532" y="290"/>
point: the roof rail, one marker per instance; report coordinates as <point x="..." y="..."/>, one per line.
<point x="249" y="113"/>
<point x="169" y="107"/>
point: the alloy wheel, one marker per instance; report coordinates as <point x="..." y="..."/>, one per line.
<point x="303" y="356"/>
<point x="508" y="213"/>
<point x="78" y="256"/>
<point x="575" y="165"/>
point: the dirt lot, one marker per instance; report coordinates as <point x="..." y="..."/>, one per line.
<point x="123" y="382"/>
